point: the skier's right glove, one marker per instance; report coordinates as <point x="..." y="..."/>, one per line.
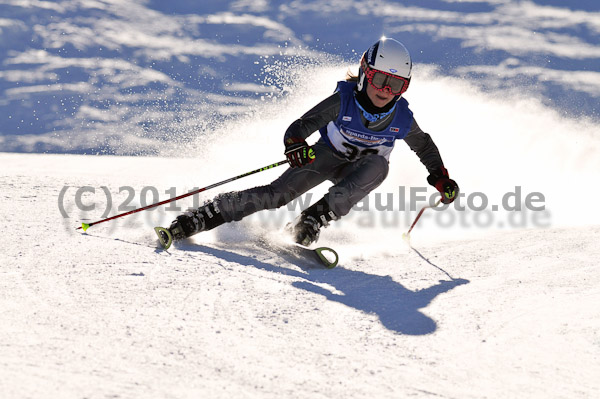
<point x="444" y="184"/>
<point x="298" y="153"/>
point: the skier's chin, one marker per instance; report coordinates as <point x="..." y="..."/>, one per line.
<point x="381" y="101"/>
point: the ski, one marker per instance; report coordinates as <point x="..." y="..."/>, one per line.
<point x="164" y="237"/>
<point x="324" y="255"/>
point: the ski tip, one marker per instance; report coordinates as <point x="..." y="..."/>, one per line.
<point x="164" y="237"/>
<point x="85" y="226"/>
<point x="405" y="237"/>
<point x="328" y="257"/>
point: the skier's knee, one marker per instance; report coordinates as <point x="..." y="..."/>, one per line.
<point x="371" y="172"/>
<point x="379" y="164"/>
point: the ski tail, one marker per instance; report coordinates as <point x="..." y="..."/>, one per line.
<point x="164" y="236"/>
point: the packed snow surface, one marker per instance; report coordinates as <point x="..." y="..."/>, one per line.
<point x="106" y="314"/>
<point x="495" y="296"/>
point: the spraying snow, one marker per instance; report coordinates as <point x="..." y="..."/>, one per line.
<point x="490" y="301"/>
<point x="505" y="153"/>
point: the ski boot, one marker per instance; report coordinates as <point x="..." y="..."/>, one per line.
<point x="306" y="229"/>
<point x="193" y="221"/>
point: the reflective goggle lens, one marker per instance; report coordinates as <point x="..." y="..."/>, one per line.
<point x="381" y="80"/>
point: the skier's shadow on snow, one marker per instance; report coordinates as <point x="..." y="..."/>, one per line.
<point x="398" y="308"/>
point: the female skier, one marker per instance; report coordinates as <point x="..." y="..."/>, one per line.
<point x="359" y="125"/>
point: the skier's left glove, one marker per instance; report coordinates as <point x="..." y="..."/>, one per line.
<point x="298" y="152"/>
<point x="447" y="187"/>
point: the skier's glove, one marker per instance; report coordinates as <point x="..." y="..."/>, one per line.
<point x="298" y="153"/>
<point x="444" y="184"/>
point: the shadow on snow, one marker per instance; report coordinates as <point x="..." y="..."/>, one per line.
<point x="398" y="308"/>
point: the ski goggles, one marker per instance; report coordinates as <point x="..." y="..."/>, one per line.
<point x="382" y="80"/>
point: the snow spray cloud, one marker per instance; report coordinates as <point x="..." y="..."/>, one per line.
<point x="491" y="143"/>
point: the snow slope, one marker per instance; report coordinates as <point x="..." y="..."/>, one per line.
<point x="488" y="303"/>
<point x="105" y="314"/>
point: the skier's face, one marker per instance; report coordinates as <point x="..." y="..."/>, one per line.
<point x="379" y="98"/>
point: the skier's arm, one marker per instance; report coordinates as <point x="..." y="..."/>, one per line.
<point x="319" y="116"/>
<point x="422" y="144"/>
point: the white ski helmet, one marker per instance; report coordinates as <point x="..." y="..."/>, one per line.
<point x="386" y="65"/>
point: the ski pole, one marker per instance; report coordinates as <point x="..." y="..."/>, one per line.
<point x="86" y="226"/>
<point x="406" y="236"/>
